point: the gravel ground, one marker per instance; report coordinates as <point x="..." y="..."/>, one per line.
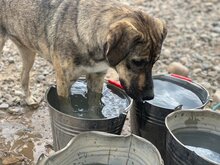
<point x="193" y="41"/>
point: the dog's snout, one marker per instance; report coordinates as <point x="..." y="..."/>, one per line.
<point x="148" y="95"/>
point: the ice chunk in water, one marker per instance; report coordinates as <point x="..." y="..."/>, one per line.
<point x="203" y="152"/>
<point x="114" y="103"/>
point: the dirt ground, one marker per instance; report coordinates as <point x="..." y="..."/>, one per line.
<point x="193" y="40"/>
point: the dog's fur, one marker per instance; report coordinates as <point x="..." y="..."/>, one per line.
<point x="84" y="37"/>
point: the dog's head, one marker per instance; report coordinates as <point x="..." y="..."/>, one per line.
<point x="133" y="46"/>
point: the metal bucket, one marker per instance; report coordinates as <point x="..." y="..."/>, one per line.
<point x="94" y="148"/>
<point x="65" y="127"/>
<point x="188" y="123"/>
<point x="148" y="120"/>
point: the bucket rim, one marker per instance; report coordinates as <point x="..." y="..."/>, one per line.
<point x="177" y="140"/>
<point x="125" y="111"/>
<point x="44" y="159"/>
<point x="169" y="76"/>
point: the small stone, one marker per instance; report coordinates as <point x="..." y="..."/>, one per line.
<point x="9" y="99"/>
<point x="2" y="115"/>
<point x="7" y="96"/>
<point x="184" y="60"/>
<point x="197" y="70"/>
<point x="12" y="160"/>
<point x="217" y="68"/>
<point x="212" y="73"/>
<point x="216" y="96"/>
<point x="40" y="78"/>
<point x="46" y="72"/>
<point x="166" y="53"/>
<point x="216" y="29"/>
<point x="196" y="65"/>
<point x="11" y="60"/>
<point x="178" y="68"/>
<point x="18" y="93"/>
<point x="206" y="85"/>
<point x="15" y="111"/>
<point x="206" y="66"/>
<point x="138" y="2"/>
<point x="4" y="106"/>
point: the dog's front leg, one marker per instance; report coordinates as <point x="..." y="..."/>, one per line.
<point x="63" y="82"/>
<point x="95" y="85"/>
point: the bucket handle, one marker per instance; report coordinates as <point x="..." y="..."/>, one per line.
<point x="115" y="83"/>
<point x="179" y="107"/>
<point x="181" y="77"/>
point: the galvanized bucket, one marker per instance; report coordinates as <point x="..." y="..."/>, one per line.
<point x="65" y="127"/>
<point x="94" y="148"/>
<point x="148" y="120"/>
<point x="193" y="121"/>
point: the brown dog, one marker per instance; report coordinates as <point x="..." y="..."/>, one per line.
<point x="84" y="37"/>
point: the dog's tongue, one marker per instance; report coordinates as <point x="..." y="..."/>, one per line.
<point x="117" y="84"/>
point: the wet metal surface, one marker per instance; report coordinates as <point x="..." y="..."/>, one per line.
<point x="95" y="148"/>
<point x="204" y="144"/>
<point x="148" y="118"/>
<point x="66" y="126"/>
<point x="195" y="142"/>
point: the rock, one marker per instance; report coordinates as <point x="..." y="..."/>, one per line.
<point x="2" y="115"/>
<point x="178" y="68"/>
<point x="206" y="66"/>
<point x="11" y="60"/>
<point x="15" y="111"/>
<point x="166" y="53"/>
<point x="197" y="70"/>
<point x="18" y="93"/>
<point x="9" y="99"/>
<point x="46" y="72"/>
<point x="217" y="68"/>
<point x="184" y="60"/>
<point x="12" y="160"/>
<point x="4" y="106"/>
<point x="212" y="73"/>
<point x="138" y="2"/>
<point x="216" y="96"/>
<point x="206" y="85"/>
<point x="7" y="96"/>
<point x="216" y="29"/>
<point x="40" y="78"/>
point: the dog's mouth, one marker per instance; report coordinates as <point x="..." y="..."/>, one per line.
<point x="138" y="95"/>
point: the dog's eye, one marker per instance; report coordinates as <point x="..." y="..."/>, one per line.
<point x="138" y="63"/>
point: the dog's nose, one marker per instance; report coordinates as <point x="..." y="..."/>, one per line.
<point x="148" y="95"/>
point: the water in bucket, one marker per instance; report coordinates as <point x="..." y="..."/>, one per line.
<point x="112" y="103"/>
<point x="204" y="144"/>
<point x="169" y="95"/>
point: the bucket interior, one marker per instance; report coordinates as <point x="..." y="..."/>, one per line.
<point x="171" y="92"/>
<point x="197" y="131"/>
<point x="80" y="101"/>
<point x="65" y="126"/>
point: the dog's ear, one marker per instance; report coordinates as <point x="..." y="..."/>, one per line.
<point x="162" y="28"/>
<point x="121" y="38"/>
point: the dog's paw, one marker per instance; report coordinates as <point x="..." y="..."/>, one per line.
<point x="32" y="102"/>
